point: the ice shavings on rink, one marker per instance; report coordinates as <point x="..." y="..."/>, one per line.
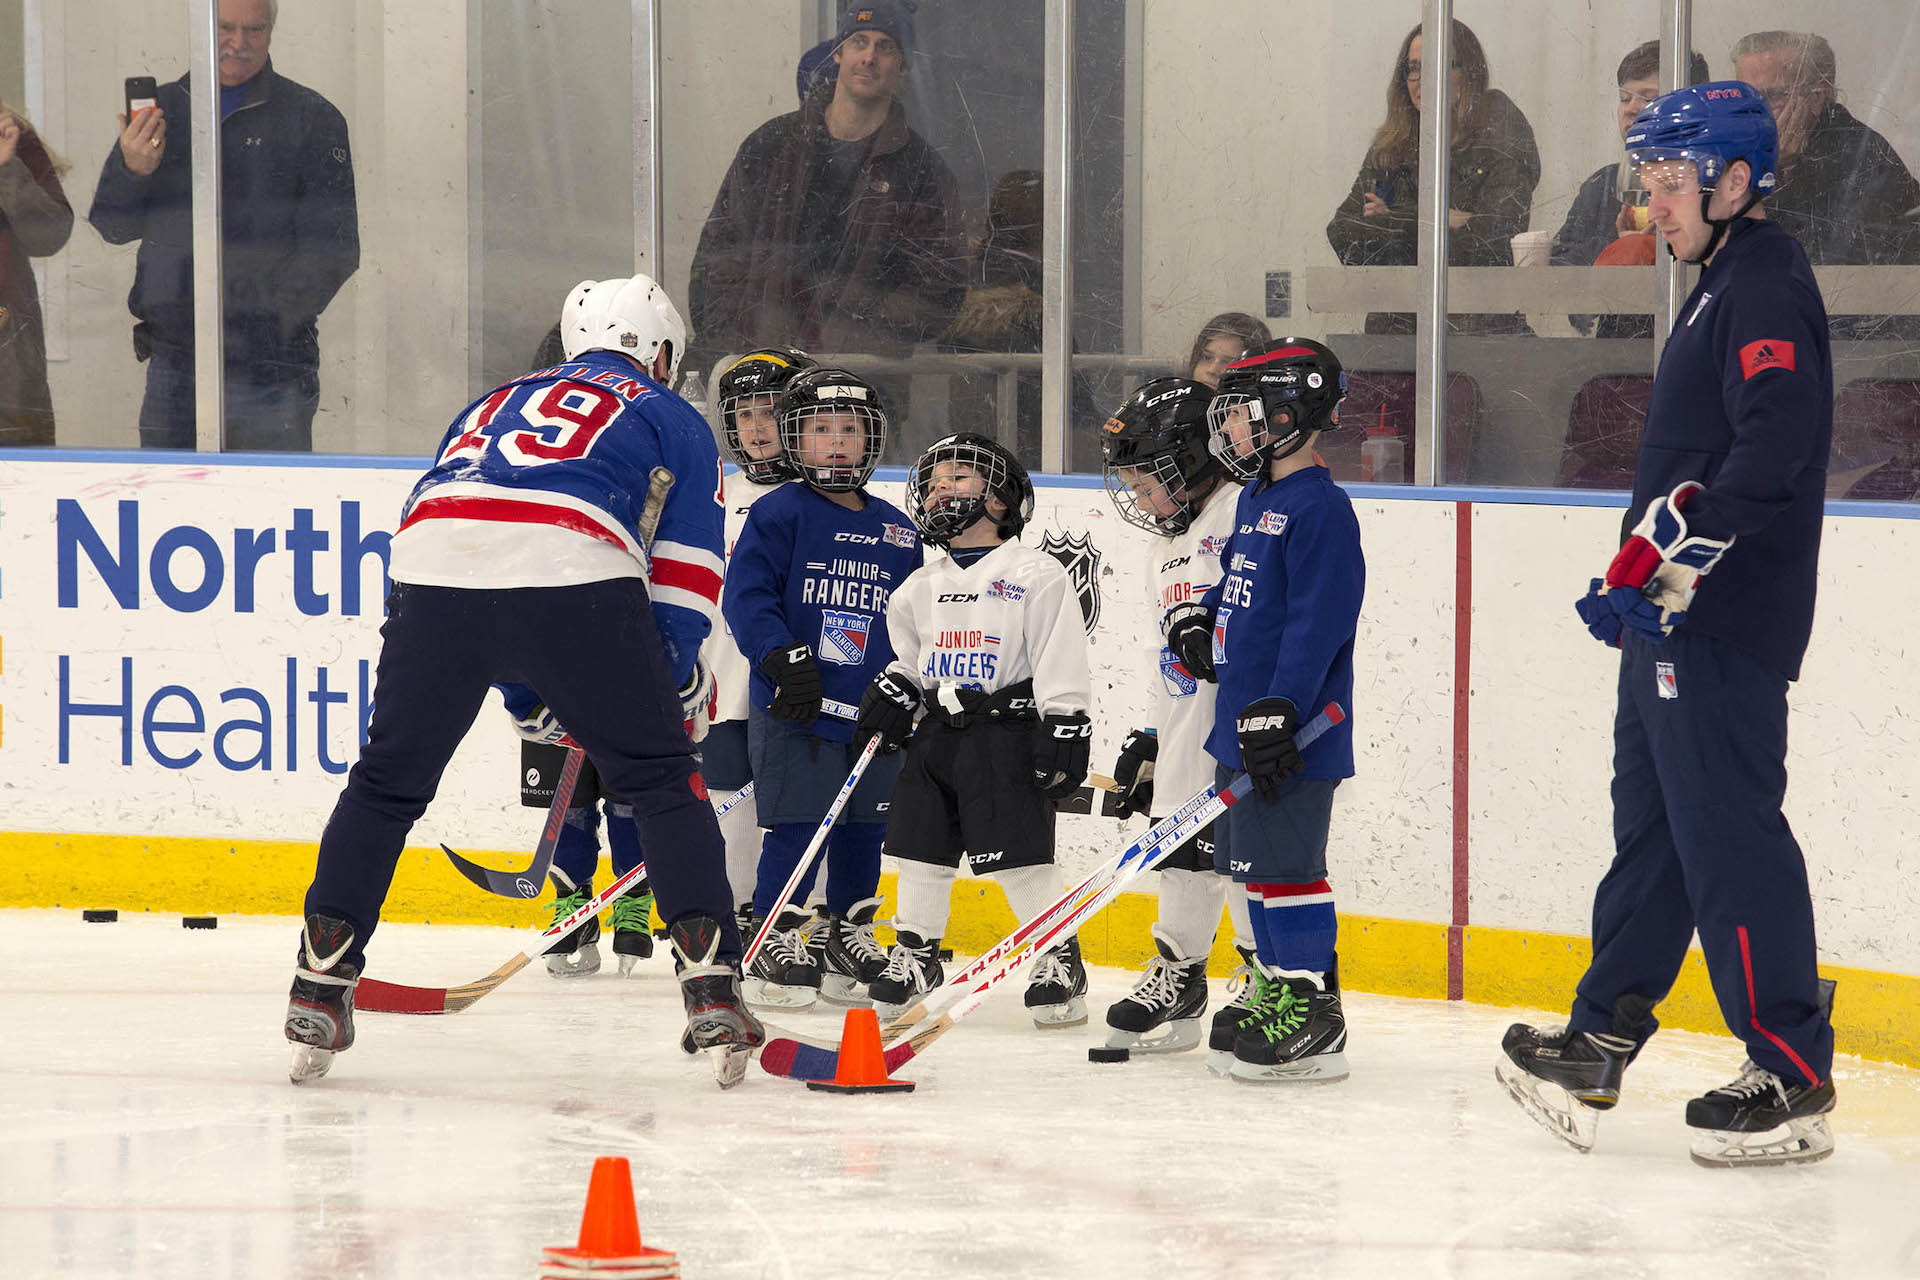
<point x="147" y="1129"/>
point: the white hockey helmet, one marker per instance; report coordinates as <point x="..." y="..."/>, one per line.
<point x="633" y="317"/>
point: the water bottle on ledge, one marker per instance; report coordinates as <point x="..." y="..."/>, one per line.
<point x="693" y="389"/>
<point x="1383" y="458"/>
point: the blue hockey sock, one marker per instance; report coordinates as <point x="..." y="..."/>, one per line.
<point x="577" y="855"/>
<point x="623" y="840"/>
<point x="779" y="855"/>
<point x="1294" y="926"/>
<point x="853" y="864"/>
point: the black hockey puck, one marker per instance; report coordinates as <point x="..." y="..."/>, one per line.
<point x="1101" y="1053"/>
<point x="106" y="916"/>
<point x="199" y="922"/>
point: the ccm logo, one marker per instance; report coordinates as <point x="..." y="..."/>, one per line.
<point x="1238" y="865"/>
<point x="1254" y="724"/>
<point x="864" y="539"/>
<point x="995" y="856"/>
<point x="958" y="597"/>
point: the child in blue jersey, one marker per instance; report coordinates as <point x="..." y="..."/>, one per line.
<point x="524" y="557"/>
<point x="806" y="596"/>
<point x="1277" y="633"/>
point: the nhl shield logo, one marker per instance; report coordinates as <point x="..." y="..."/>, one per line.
<point x="1081" y="560"/>
<point x="843" y="637"/>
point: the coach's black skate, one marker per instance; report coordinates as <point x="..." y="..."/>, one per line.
<point x="1300" y="1034"/>
<point x="577" y="954"/>
<point x="717" y="1018"/>
<point x="633" y="927"/>
<point x="912" y="969"/>
<point x="1162" y="1013"/>
<point x="1761" y="1119"/>
<point x="1564" y="1078"/>
<point x="320" y="1006"/>
<point x="853" y="957"/>
<point x="1242" y="993"/>
<point x="786" y="973"/>
<point x="1057" y="989"/>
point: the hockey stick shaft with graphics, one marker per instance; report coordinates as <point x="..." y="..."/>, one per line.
<point x="813" y="848"/>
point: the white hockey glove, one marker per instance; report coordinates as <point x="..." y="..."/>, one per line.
<point x="699" y="699"/>
<point x="1650" y="584"/>
<point x="538" y="725"/>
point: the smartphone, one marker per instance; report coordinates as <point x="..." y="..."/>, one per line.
<point x="1384" y="189"/>
<point x="142" y="94"/>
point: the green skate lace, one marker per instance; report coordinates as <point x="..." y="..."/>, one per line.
<point x="1261" y="997"/>
<point x="564" y="907"/>
<point x="1288" y="1015"/>
<point x="633" y="913"/>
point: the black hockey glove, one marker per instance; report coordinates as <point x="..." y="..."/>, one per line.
<point x="1061" y="746"/>
<point x="886" y="712"/>
<point x="1190" y="639"/>
<point x="797" y="691"/>
<point x="1265" y="727"/>
<point x="1133" y="773"/>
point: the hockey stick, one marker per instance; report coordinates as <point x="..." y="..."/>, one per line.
<point x="813" y="848"/>
<point x="528" y="883"/>
<point x="806" y="1060"/>
<point x="375" y="996"/>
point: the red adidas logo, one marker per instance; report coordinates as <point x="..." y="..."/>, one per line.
<point x="1764" y="354"/>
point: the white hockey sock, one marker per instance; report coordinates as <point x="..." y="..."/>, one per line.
<point x="1239" y="911"/>
<point x="741" y="831"/>
<point x="1190" y="909"/>
<point x="1030" y="890"/>
<point x="925" y="898"/>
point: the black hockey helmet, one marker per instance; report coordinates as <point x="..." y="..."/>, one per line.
<point x="765" y="372"/>
<point x="1290" y="390"/>
<point x="1161" y="434"/>
<point x="836" y="395"/>
<point x="943" y="516"/>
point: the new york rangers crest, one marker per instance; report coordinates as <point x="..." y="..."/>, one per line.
<point x="897" y="535"/>
<point x="1271" y="522"/>
<point x="1081" y="559"/>
<point x="843" y="637"/>
<point x="1663" y="680"/>
<point x="1179" y="684"/>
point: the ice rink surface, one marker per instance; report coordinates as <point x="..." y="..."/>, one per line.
<point x="147" y="1129"/>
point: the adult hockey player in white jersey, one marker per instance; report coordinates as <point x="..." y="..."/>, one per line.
<point x="1163" y="478"/>
<point x="528" y="554"/>
<point x="989" y="646"/>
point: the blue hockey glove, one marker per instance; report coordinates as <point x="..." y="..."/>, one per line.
<point x="538" y="725"/>
<point x="1267" y="751"/>
<point x="1651" y="582"/>
<point x="1133" y="773"/>
<point x="1062" y="746"/>
<point x="886" y="711"/>
<point x="1190" y="639"/>
<point x="797" y="691"/>
<point x="1597" y="612"/>
<point x="699" y="696"/>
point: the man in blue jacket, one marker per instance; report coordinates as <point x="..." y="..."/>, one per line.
<point x="289" y="232"/>
<point x="1710" y="601"/>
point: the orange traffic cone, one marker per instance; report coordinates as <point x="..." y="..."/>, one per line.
<point x="609" y="1244"/>
<point x="863" y="1063"/>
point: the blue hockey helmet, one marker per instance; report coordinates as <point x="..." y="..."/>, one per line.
<point x="1710" y="125"/>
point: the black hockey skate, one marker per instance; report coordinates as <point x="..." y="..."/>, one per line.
<point x="786" y="973"/>
<point x="1564" y="1078"/>
<point x="1242" y="993"/>
<point x="717" y="1019"/>
<point x="1170" y="998"/>
<point x="633" y="927"/>
<point x="320" y="1006"/>
<point x="1057" y="989"/>
<point x="577" y="955"/>
<point x="912" y="969"/>
<point x="1300" y="1034"/>
<point x="1761" y="1119"/>
<point x="853" y="958"/>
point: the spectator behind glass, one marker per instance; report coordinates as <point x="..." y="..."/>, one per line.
<point x="1843" y="191"/>
<point x="1002" y="312"/>
<point x="831" y="230"/>
<point x="1493" y="166"/>
<point x="291" y="240"/>
<point x="35" y="221"/>
<point x="1598" y="218"/>
<point x="1222" y="340"/>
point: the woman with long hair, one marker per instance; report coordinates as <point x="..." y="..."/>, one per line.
<point x="1222" y="340"/>
<point x="35" y="221"/>
<point x="1493" y="167"/>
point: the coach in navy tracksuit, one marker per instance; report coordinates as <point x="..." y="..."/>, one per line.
<point x="1727" y="503"/>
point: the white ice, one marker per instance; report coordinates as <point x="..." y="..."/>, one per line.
<point x="147" y="1129"/>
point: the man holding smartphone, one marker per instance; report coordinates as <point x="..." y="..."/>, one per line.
<point x="290" y="230"/>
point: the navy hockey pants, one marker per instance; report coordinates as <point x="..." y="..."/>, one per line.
<point x="1700" y="747"/>
<point x="593" y="652"/>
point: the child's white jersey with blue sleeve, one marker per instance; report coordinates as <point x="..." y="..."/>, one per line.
<point x="1186" y="567"/>
<point x="806" y="570"/>
<point x="541" y="483"/>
